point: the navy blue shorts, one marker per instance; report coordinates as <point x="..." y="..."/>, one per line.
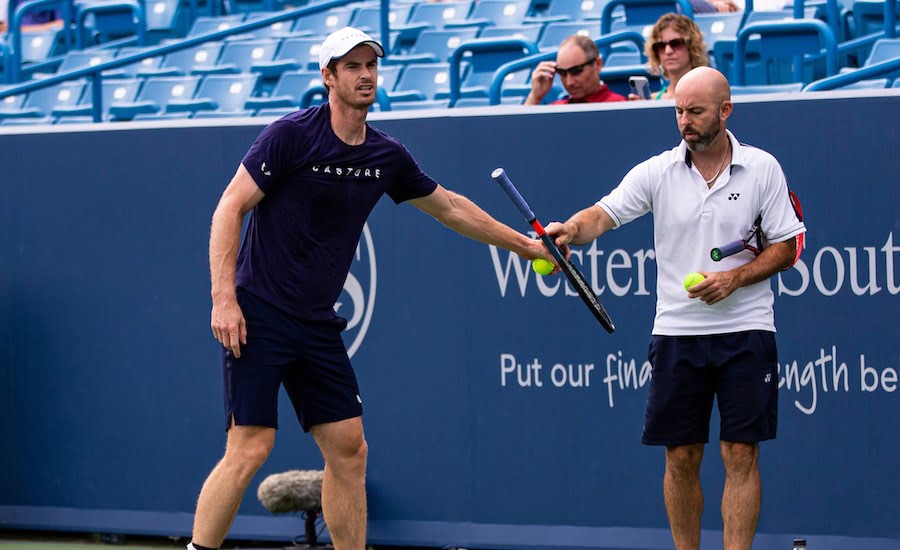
<point x="739" y="370"/>
<point x="308" y="357"/>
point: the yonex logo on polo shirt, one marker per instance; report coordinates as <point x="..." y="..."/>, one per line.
<point x="734" y="196"/>
<point x="264" y="171"/>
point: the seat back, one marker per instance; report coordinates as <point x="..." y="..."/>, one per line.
<point x="442" y="43"/>
<point x="37" y="46"/>
<point x="304" y="51"/>
<point x="162" y="89"/>
<point x="243" y="54"/>
<point x="325" y="22"/>
<point x="65" y="94"/>
<point x="525" y="32"/>
<point x="427" y="78"/>
<point x="203" y="55"/>
<point x="437" y="14"/>
<point x="501" y="12"/>
<point x="205" y="24"/>
<point x="295" y="83"/>
<point x="368" y="18"/>
<point x="78" y="59"/>
<point x="555" y="33"/>
<point x="388" y="75"/>
<point x="577" y="10"/>
<point x="230" y="91"/>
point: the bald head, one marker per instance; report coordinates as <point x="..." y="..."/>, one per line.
<point x="702" y="105"/>
<point x="706" y="83"/>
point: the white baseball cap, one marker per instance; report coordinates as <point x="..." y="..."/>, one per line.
<point x="339" y="43"/>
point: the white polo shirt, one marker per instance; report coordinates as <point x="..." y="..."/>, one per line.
<point x="689" y="220"/>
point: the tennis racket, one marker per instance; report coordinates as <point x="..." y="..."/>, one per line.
<point x="756" y="240"/>
<point x="568" y="268"/>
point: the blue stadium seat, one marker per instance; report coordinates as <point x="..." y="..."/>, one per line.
<point x="207" y="24"/>
<point x="421" y="82"/>
<point x="555" y="33"/>
<point x="526" y="32"/>
<point x="483" y="58"/>
<point x="486" y="13"/>
<point x="281" y="29"/>
<point x="436" y="14"/>
<point x="155" y="94"/>
<point x="225" y="94"/>
<point x="325" y="22"/>
<point x="388" y="75"/>
<point x="434" y="46"/>
<point x="868" y="17"/>
<point x="78" y="59"/>
<point x="41" y="102"/>
<point x="896" y="83"/>
<point x="239" y="56"/>
<point x="758" y="16"/>
<point x="368" y="18"/>
<point x="637" y="15"/>
<point x="288" y="91"/>
<point x="114" y="92"/>
<point x="11" y="103"/>
<point x="38" y="46"/>
<point x="575" y="10"/>
<point x="884" y="49"/>
<point x="623" y="59"/>
<point x="182" y="62"/>
<point x="718" y="26"/>
<point x="295" y="53"/>
<point x="166" y="18"/>
<point x="781" y="43"/>
<point x="148" y="64"/>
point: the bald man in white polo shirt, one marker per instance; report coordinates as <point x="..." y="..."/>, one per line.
<point x="718" y="340"/>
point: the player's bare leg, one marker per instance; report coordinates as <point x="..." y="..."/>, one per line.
<point x="246" y="451"/>
<point x="344" y="485"/>
<point x="683" y="494"/>
<point x="742" y="495"/>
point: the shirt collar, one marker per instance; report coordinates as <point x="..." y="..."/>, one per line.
<point x="737" y="157"/>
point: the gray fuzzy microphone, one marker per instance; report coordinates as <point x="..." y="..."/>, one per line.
<point x="294" y="491"/>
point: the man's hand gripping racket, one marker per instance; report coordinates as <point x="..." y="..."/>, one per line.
<point x="568" y="268"/>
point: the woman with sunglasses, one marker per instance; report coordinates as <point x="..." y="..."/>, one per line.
<point x="675" y="47"/>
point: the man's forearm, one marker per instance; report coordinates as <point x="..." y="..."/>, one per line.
<point x="773" y="259"/>
<point x="588" y="224"/>
<point x="224" y="239"/>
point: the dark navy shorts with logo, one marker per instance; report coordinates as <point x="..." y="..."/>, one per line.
<point x="739" y="370"/>
<point x="308" y="357"/>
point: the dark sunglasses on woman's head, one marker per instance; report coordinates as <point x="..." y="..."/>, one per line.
<point x="574" y="70"/>
<point x="675" y="43"/>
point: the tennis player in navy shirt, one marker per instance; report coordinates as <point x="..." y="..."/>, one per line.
<point x="310" y="180"/>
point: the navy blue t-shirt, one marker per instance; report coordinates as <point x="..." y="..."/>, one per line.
<point x="319" y="191"/>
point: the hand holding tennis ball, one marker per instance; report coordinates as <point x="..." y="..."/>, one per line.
<point x="691" y="279"/>
<point x="542" y="266"/>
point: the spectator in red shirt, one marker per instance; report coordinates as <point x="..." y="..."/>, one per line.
<point x="578" y="65"/>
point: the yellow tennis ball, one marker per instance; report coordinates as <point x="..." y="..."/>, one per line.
<point x="691" y="279"/>
<point x="542" y="266"/>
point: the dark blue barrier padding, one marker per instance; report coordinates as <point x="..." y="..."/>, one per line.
<point x="110" y="384"/>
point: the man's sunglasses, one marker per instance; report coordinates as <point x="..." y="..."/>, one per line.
<point x="660" y="47"/>
<point x="574" y="70"/>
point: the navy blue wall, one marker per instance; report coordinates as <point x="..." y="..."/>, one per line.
<point x="110" y="387"/>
